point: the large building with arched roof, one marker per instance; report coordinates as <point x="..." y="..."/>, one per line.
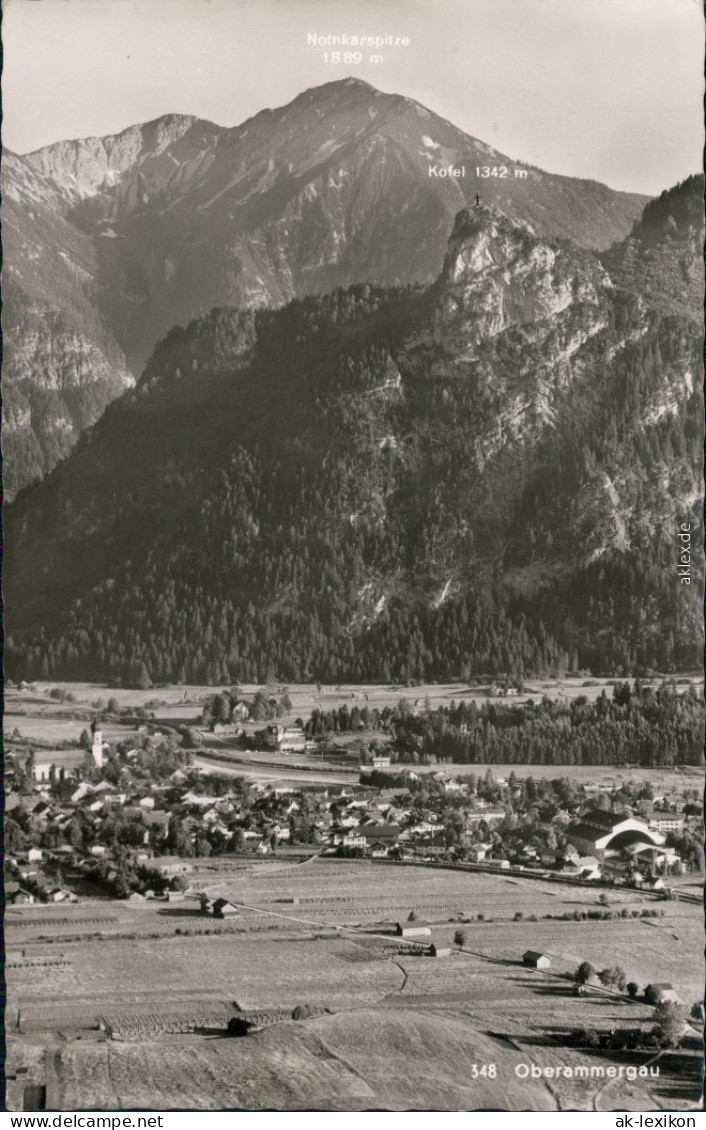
<point x="598" y="832"/>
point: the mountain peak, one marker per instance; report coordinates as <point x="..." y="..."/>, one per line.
<point x="473" y="219"/>
<point x="482" y="236"/>
<point x="498" y="272"/>
<point x="346" y="184"/>
<point x="341" y="84"/>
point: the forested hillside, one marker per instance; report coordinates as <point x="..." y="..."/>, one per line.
<point x="662" y="259"/>
<point x="487" y="475"/>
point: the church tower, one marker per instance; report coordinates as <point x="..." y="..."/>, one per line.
<point x="97" y="745"/>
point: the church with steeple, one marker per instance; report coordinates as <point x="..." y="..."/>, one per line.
<point x="97" y="745"/>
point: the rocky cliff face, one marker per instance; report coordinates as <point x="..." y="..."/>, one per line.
<point x="158" y="224"/>
<point x="62" y="364"/>
<point x="91" y="166"/>
<point x="479" y="475"/>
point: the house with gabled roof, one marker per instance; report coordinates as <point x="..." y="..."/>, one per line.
<point x="413" y="928"/>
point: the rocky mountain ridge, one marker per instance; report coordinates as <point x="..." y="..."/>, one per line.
<point x="156" y="225"/>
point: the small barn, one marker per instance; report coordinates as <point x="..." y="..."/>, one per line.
<point x="437" y="951"/>
<point x="223" y="908"/>
<point x="536" y="960"/>
<point x="413" y="929"/>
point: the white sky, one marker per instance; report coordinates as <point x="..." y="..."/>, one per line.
<point x="608" y="89"/>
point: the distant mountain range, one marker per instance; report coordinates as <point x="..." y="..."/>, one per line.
<point x="109" y="242"/>
<point x="483" y="474"/>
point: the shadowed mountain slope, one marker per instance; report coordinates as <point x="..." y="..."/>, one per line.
<point x="483" y="475"/>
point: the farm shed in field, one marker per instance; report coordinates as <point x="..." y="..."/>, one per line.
<point x="437" y="951"/>
<point x="223" y="908"/>
<point x="536" y="960"/>
<point x="414" y="929"/>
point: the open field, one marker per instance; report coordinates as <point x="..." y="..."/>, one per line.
<point x="393" y="1014"/>
<point x="359" y="893"/>
<point x="309" y="897"/>
<point x="177" y="703"/>
<point x="306" y="696"/>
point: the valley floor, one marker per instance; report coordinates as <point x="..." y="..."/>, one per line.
<point x="120" y="1005"/>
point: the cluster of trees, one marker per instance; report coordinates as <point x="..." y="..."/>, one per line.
<point x="669" y="1017"/>
<point x="636" y="726"/>
<point x="120" y="877"/>
<point x="342" y="720"/>
<point x="265" y="706"/>
<point x="179" y="840"/>
<point x="61" y="694"/>
<point x="614" y="977"/>
<point x="666" y="1032"/>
